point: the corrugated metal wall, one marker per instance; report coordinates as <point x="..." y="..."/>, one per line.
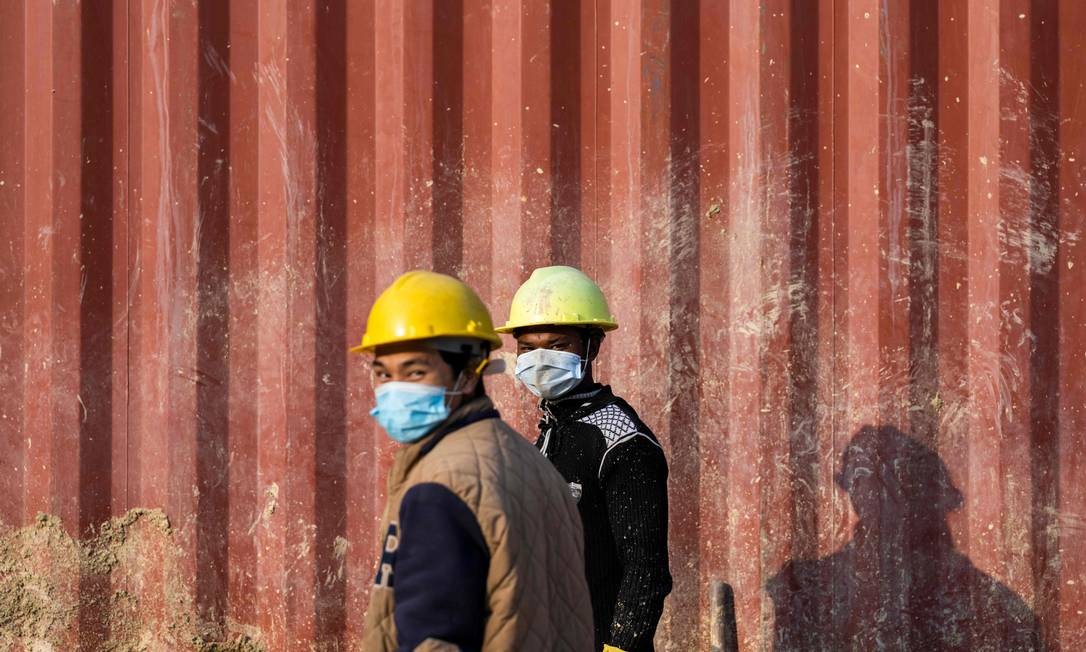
<point x="809" y="216"/>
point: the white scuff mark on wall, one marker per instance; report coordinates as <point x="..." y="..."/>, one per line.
<point x="216" y="61"/>
<point x="923" y="157"/>
<point x="170" y="242"/>
<point x="82" y="282"/>
<point x="271" y="502"/>
<point x="1028" y="239"/>
<point x="307" y="534"/>
<point x="209" y="126"/>
<point x="44" y="234"/>
<point x="336" y="572"/>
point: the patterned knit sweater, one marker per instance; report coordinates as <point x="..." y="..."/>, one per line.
<point x="617" y="473"/>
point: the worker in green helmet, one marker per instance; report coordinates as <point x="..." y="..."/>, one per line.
<point x="612" y="461"/>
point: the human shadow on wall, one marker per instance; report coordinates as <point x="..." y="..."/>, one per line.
<point x="899" y="584"/>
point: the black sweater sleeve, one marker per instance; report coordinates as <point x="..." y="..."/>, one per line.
<point x="441" y="570"/>
<point x="634" y="478"/>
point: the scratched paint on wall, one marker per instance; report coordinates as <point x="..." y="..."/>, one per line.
<point x="844" y="240"/>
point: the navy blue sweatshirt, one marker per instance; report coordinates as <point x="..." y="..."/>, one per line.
<point x="441" y="569"/>
<point x="441" y="564"/>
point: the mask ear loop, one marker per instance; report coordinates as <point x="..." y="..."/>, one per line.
<point x="477" y="370"/>
<point x="587" y="354"/>
<point x="456" y="391"/>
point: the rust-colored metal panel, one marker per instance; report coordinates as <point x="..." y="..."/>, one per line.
<point x="810" y="217"/>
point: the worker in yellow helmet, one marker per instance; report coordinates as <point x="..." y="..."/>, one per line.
<point x="611" y="460"/>
<point x="482" y="546"/>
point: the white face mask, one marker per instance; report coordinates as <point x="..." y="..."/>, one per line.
<point x="550" y="374"/>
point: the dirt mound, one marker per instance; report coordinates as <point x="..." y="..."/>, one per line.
<point x="123" y="590"/>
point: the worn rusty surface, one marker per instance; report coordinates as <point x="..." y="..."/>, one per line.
<point x="809" y="217"/>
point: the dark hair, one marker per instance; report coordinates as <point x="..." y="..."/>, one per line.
<point x="593" y="333"/>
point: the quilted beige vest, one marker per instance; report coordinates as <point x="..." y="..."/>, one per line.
<point x="537" y="597"/>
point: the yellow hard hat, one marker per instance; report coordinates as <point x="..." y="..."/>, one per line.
<point x="424" y="305"/>
<point x="559" y="296"/>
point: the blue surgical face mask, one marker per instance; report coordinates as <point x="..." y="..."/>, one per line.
<point x="409" y="411"/>
<point x="550" y="374"/>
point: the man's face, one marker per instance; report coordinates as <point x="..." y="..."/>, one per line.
<point x="411" y="364"/>
<point x="556" y="338"/>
